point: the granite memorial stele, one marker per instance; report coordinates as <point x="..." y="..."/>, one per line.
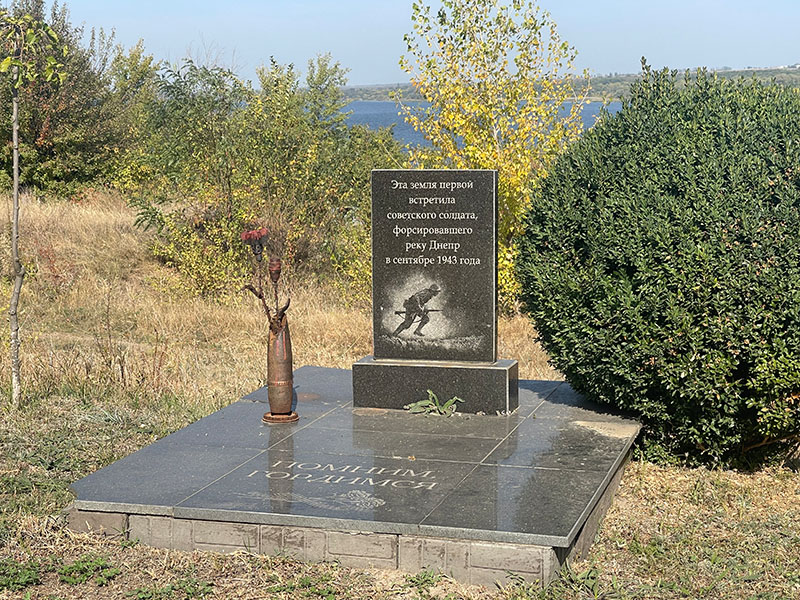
<point x="434" y="293"/>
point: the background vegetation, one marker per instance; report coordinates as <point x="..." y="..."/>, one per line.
<point x="222" y="158"/>
<point x="118" y="355"/>
<point x="204" y="155"/>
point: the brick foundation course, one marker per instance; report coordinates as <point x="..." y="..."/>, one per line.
<point x="473" y="562"/>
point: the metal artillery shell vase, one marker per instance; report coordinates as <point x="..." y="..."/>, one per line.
<point x="279" y="372"/>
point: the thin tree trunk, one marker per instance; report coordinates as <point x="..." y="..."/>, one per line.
<point x="19" y="269"/>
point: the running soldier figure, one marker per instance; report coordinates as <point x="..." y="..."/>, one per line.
<point x="415" y="307"/>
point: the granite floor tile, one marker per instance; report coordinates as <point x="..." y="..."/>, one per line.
<point x="391" y="444"/>
<point x="332" y="385"/>
<point x="388" y="469"/>
<point x="304" y="483"/>
<point x="546" y="502"/>
<point x="565" y="444"/>
<point x="161" y="474"/>
<point x="566" y="403"/>
<point x="239" y="425"/>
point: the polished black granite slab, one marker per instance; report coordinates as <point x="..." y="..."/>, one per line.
<point x="434" y="264"/>
<point x="530" y="477"/>
<point x="487" y="388"/>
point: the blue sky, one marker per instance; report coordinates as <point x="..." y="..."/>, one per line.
<point x="366" y="36"/>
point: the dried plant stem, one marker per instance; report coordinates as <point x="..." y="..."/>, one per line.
<point x="768" y="441"/>
<point x="259" y="293"/>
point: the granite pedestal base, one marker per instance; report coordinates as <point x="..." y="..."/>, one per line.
<point x="488" y="388"/>
<point x="476" y="497"/>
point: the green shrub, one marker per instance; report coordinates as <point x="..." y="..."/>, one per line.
<point x="222" y="157"/>
<point x="661" y="264"/>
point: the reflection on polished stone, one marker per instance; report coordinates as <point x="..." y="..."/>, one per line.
<point x="563" y="444"/>
<point x="533" y="393"/>
<point x="531" y="477"/>
<point x="392" y="444"/>
<point x="239" y="425"/>
<point x="517" y="500"/>
<point x="298" y="482"/>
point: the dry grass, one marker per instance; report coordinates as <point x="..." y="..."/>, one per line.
<point x="116" y="356"/>
<point x="97" y="305"/>
<point x="703" y="534"/>
<point x="148" y="571"/>
<point x="516" y="339"/>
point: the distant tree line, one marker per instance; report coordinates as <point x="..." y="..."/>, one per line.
<point x="610" y="87"/>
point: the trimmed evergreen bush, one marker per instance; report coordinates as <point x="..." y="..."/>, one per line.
<point x="661" y="264"/>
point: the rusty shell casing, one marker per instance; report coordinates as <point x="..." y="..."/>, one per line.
<point x="279" y="369"/>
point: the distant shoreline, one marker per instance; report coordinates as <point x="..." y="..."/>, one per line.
<point x="573" y="99"/>
<point x="614" y="87"/>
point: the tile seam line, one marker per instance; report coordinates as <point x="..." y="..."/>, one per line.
<point x="309" y="424"/>
<point x="448" y="494"/>
<point x="455" y="487"/>
<point x="383" y="456"/>
<point x="538" y="468"/>
<point x="550" y="393"/>
<point x="463" y="479"/>
<point x="508" y="435"/>
<point x="193" y="494"/>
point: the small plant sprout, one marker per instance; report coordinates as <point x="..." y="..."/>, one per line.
<point x="432" y="406"/>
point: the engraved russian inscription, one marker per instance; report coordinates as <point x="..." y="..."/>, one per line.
<point x="434" y="264"/>
<point x="397" y="478"/>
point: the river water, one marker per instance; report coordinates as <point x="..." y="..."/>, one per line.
<point x="380" y="113"/>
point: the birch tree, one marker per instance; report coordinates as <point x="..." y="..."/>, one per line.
<point x="22" y="39"/>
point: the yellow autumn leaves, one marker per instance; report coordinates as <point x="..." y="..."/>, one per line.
<point x="500" y="94"/>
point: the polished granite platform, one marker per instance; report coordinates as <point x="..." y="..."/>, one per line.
<point x="534" y="478"/>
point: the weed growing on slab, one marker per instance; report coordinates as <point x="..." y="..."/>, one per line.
<point x="432" y="406"/>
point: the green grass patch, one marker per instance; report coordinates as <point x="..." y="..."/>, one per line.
<point x="16" y="576"/>
<point x="184" y="589"/>
<point x="96" y="568"/>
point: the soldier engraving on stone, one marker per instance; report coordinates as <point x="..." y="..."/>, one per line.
<point x="415" y="309"/>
